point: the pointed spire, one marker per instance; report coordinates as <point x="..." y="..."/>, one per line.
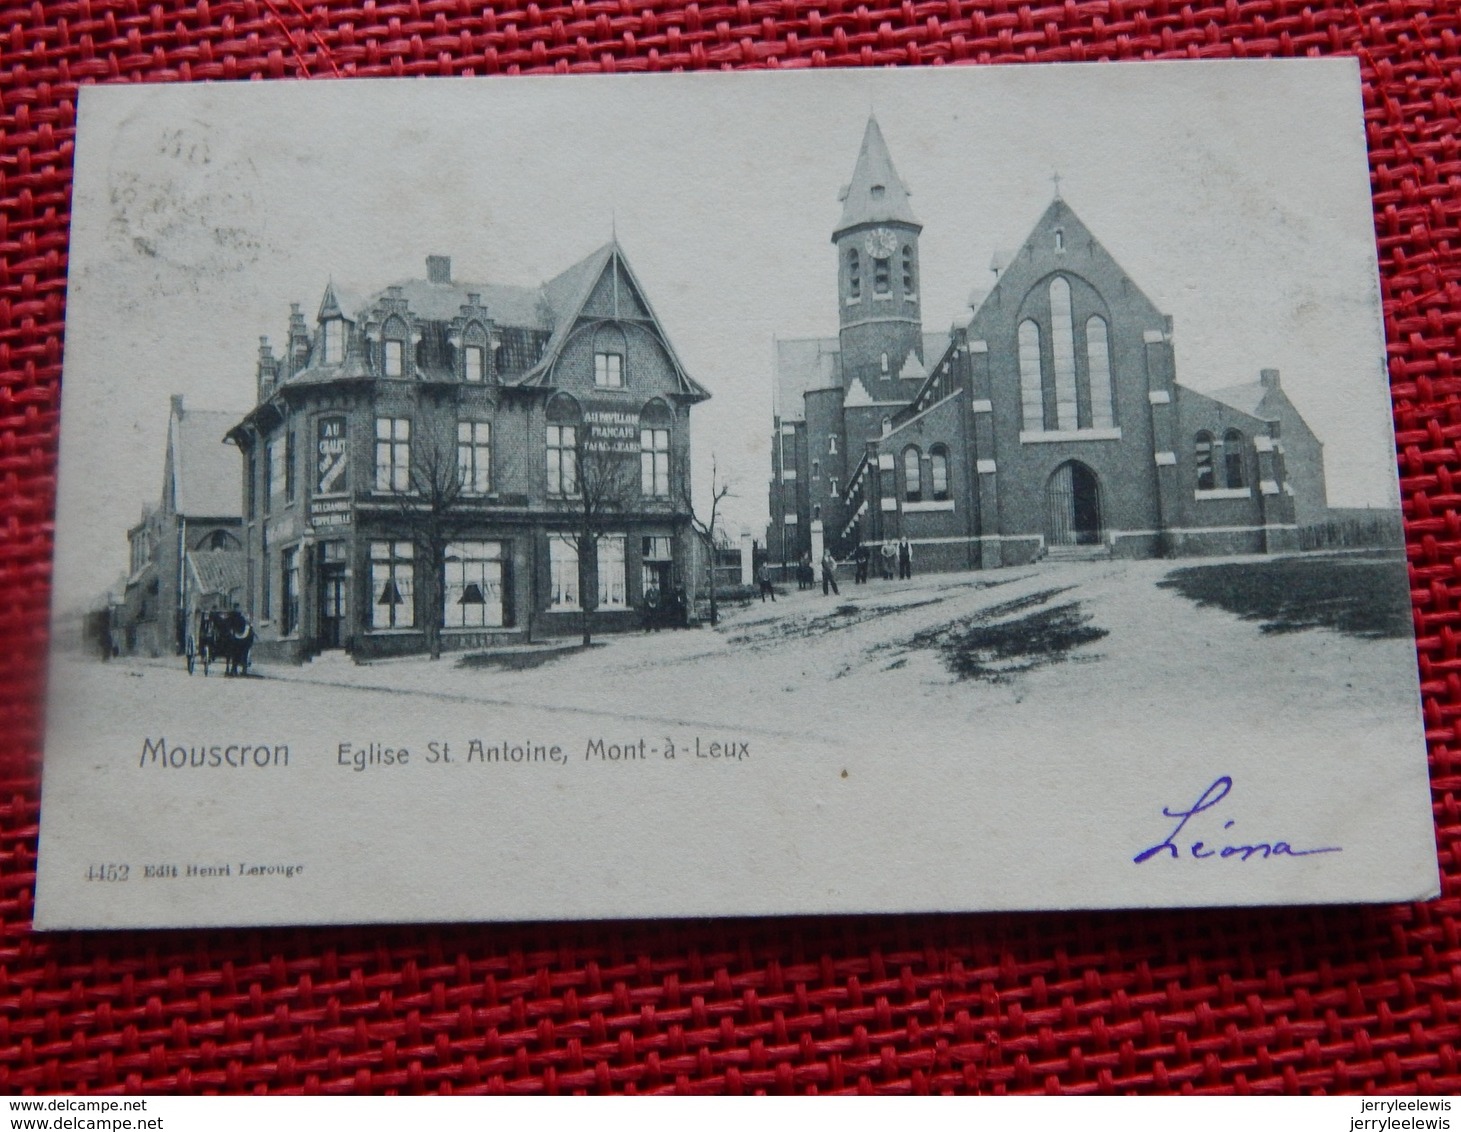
<point x="330" y="305"/>
<point x="876" y="193"/>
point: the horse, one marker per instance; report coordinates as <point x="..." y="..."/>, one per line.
<point x="228" y="637"/>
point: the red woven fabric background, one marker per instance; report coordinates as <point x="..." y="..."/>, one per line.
<point x="1277" y="1000"/>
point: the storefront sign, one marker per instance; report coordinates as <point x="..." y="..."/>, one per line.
<point x="334" y="457"/>
<point x="611" y="431"/>
<point x="329" y="512"/>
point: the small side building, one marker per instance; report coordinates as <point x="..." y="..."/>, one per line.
<point x="198" y="516"/>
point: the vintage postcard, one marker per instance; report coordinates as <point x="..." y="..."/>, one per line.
<point x="861" y="491"/>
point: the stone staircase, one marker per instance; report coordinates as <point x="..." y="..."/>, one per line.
<point x="1090" y="552"/>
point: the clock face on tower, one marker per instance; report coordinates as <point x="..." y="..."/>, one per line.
<point x="880" y="243"/>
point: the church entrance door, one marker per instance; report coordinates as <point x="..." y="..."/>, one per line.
<point x="1072" y="506"/>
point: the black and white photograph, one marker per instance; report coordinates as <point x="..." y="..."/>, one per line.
<point x="699" y="495"/>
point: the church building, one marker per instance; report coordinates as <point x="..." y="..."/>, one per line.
<point x="1046" y="423"/>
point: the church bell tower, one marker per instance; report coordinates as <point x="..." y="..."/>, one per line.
<point x="878" y="277"/>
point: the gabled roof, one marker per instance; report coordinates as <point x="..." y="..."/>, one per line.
<point x="218" y="571"/>
<point x="1035" y="257"/>
<point x="1246" y="398"/>
<point x="876" y="194"/>
<point x="568" y="293"/>
<point x="207" y="480"/>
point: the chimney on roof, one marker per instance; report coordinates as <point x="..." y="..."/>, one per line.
<point x="177" y="405"/>
<point x="438" y="269"/>
<point x="1268" y="378"/>
<point x="268" y="372"/>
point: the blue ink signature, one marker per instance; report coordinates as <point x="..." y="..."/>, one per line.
<point x="1210" y="798"/>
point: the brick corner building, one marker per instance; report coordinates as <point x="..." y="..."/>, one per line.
<point x="447" y="421"/>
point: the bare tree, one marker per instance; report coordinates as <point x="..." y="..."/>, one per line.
<point x="602" y="491"/>
<point x="427" y="507"/>
<point x="719" y="490"/>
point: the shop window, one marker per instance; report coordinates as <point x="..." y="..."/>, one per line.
<point x="392" y="585"/>
<point x="475" y="595"/>
<point x="289" y="614"/>
<point x="562" y="574"/>
<point x="612" y="591"/>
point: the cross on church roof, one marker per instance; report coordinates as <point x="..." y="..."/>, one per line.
<point x="1055" y="179"/>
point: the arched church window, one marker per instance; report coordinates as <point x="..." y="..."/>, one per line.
<point x="882" y="276"/>
<point x="816" y="468"/>
<point x="1031" y="392"/>
<point x="1098" y="366"/>
<point x="1062" y="341"/>
<point x="832" y="444"/>
<point x="816" y="510"/>
<point x="1206" y="480"/>
<point x="854" y="274"/>
<point x="912" y="475"/>
<point x="908" y="281"/>
<point x="1060" y="239"/>
<point x="832" y="486"/>
<point x="938" y="472"/>
<point x="885" y="362"/>
<point x="1233" y="458"/>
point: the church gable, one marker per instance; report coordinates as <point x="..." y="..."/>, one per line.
<point x="1061" y="244"/>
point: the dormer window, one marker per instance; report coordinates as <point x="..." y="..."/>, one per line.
<point x="334" y="341"/>
<point x="472" y="360"/>
<point x="877" y="192"/>
<point x="395" y="357"/>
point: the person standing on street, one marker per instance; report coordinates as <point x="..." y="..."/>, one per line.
<point x="829" y="573"/>
<point x="860" y="557"/>
<point x="905" y="558"/>
<point x="763" y="576"/>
